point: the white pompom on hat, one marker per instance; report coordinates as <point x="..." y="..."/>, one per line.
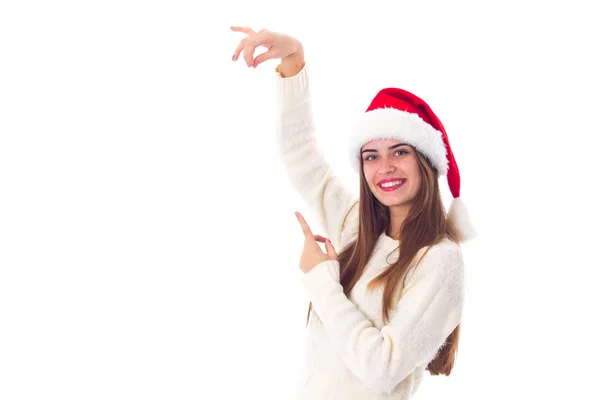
<point x="398" y="114"/>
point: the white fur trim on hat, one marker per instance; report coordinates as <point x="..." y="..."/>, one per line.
<point x="391" y="123"/>
<point x="459" y="215"/>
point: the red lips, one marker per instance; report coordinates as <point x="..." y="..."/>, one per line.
<point x="389" y="180"/>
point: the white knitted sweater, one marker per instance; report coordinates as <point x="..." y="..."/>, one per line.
<point x="350" y="353"/>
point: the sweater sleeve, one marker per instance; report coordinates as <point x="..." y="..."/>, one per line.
<point x="428" y="311"/>
<point x="310" y="174"/>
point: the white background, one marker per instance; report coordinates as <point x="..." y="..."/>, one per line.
<point x="148" y="246"/>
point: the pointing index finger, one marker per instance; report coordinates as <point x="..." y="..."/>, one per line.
<point x="304" y="225"/>
<point x="243" y="29"/>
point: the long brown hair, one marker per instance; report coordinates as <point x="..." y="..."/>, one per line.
<point x="425" y="225"/>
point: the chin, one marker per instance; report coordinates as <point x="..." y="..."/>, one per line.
<point x="389" y="201"/>
<point x="400" y="199"/>
<point x="396" y="203"/>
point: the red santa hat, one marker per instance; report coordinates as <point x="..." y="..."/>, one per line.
<point x="397" y="114"/>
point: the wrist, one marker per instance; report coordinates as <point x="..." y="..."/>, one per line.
<point x="293" y="63"/>
<point x="297" y="54"/>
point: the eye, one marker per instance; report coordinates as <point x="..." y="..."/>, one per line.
<point x="402" y="152"/>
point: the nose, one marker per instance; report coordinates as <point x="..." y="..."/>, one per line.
<point x="385" y="166"/>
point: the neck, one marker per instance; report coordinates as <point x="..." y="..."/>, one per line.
<point x="397" y="216"/>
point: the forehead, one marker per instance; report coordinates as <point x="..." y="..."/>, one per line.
<point x="380" y="144"/>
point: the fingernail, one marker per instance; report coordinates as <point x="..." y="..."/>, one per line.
<point x="328" y="241"/>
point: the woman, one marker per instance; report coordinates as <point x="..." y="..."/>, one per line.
<point x="388" y="307"/>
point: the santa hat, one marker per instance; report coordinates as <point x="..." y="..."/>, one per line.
<point x="398" y="114"/>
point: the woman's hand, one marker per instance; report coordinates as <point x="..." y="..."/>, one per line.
<point x="312" y="255"/>
<point x="278" y="45"/>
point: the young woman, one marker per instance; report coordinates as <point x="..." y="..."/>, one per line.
<point x="388" y="307"/>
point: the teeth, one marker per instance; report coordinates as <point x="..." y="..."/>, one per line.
<point x="390" y="184"/>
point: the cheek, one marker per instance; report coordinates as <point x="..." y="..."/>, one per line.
<point x="413" y="172"/>
<point x="417" y="181"/>
<point x="369" y="173"/>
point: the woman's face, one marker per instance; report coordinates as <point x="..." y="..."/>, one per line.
<point x="391" y="161"/>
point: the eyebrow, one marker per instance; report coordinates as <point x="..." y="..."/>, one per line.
<point x="389" y="148"/>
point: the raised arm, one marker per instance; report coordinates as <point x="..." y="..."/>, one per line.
<point x="312" y="177"/>
<point x="310" y="174"/>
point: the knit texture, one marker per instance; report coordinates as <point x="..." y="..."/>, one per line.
<point x="350" y="352"/>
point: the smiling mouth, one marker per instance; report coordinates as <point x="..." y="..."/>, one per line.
<point x="390" y="186"/>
